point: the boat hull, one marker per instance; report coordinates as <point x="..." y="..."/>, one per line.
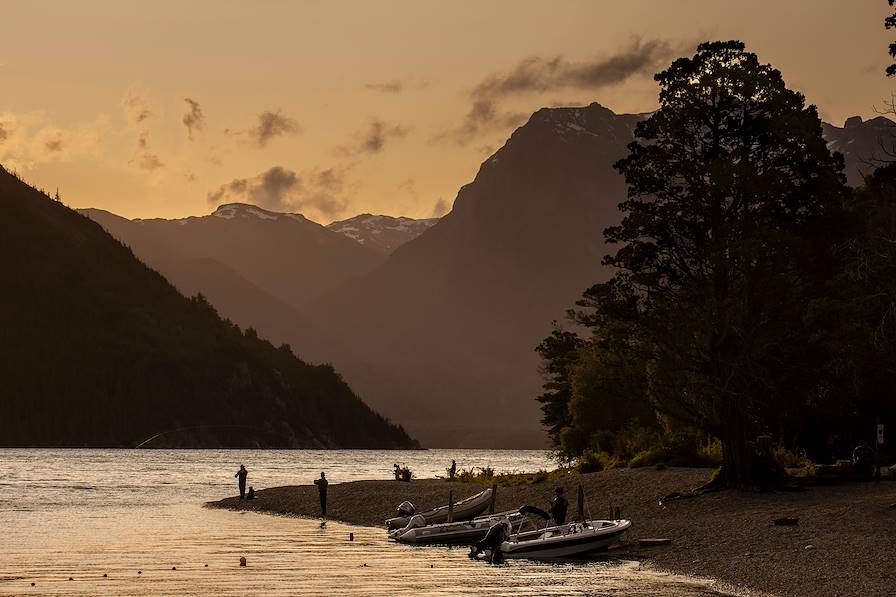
<point x="463" y="510"/>
<point x="566" y="542"/>
<point x="445" y="534"/>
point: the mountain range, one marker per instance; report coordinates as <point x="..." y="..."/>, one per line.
<point x="100" y="350"/>
<point x="437" y="328"/>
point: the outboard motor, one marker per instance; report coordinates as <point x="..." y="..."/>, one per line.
<point x="406" y="509"/>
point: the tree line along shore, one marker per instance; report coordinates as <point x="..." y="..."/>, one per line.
<point x="841" y="545"/>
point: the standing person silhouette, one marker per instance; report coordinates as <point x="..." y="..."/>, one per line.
<point x="558" y="507"/>
<point x="453" y="470"/>
<point x="322" y="490"/>
<point x="241" y="480"/>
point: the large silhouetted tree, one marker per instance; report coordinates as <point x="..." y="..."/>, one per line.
<point x="728" y="181"/>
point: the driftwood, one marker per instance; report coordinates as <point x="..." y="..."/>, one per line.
<point x="647" y="541"/>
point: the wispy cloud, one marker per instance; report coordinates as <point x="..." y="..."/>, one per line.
<point x="537" y="75"/>
<point x="484" y="116"/>
<point x="440" y="208"/>
<point x="143" y="157"/>
<point x="273" y="124"/>
<point x="283" y="189"/>
<point x="55" y="144"/>
<point x="194" y="119"/>
<point x="397" y="85"/>
<point x="135" y="106"/>
<point x="374" y="137"/>
<point x="149" y="161"/>
<point x="28" y="139"/>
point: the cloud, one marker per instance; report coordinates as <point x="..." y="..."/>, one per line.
<point x="194" y="119"/>
<point x="538" y="74"/>
<point x="149" y="161"/>
<point x="135" y="107"/>
<point x="273" y="124"/>
<point x="373" y="140"/>
<point x="282" y="189"/>
<point x="55" y="144"/>
<point x="440" y="208"/>
<point x="144" y="158"/>
<point x="28" y="139"/>
<point x="396" y="85"/>
<point x="483" y="117"/>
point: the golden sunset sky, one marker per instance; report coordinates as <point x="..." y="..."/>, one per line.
<point x="163" y="109"/>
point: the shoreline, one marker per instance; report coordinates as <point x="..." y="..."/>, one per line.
<point x="843" y="544"/>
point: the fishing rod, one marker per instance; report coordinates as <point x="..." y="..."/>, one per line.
<point x="197" y="428"/>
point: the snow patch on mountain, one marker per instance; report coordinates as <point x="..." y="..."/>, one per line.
<point x="383" y="233"/>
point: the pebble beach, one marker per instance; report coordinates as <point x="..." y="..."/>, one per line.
<point x="844" y="543"/>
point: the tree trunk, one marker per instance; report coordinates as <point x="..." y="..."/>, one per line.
<point x="738" y="458"/>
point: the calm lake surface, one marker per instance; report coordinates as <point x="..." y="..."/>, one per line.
<point x="136" y="514"/>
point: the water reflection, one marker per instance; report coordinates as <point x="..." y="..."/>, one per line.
<point x="136" y="517"/>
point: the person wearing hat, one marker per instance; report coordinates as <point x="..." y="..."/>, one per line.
<point x="558" y="508"/>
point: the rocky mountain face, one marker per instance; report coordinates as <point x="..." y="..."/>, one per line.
<point x="99" y="350"/>
<point x="864" y="144"/>
<point x="382" y="233"/>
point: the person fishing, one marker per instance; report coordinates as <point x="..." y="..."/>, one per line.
<point x="241" y="480"/>
<point x="322" y="490"/>
<point x="558" y="508"/>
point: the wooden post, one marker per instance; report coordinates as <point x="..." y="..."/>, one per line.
<point x="450" y="506"/>
<point x="581" y="503"/>
<point x="491" y="506"/>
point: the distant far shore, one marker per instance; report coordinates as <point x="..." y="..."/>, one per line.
<point x="842" y="545"/>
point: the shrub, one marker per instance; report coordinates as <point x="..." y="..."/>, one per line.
<point x="710" y="454"/>
<point x="647" y="458"/>
<point x="592" y="462"/>
<point x="402" y="473"/>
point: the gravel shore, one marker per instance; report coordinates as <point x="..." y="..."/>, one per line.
<point x="844" y="544"/>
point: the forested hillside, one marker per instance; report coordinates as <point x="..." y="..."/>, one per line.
<point x="100" y="350"/>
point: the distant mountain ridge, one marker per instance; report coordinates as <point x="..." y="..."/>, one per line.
<point x="382" y="233"/>
<point x="286" y="255"/>
<point x="99" y="350"/>
<point x="864" y="144"/>
<point x="441" y="334"/>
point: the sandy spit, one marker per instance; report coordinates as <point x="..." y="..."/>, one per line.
<point x="844" y="544"/>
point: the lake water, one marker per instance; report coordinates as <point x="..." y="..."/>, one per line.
<point x="135" y="515"/>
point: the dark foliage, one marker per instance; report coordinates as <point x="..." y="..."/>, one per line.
<point x="99" y="350"/>
<point x="890" y="23"/>
<point x="723" y="248"/>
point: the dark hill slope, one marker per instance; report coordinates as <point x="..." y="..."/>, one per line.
<point x="96" y="349"/>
